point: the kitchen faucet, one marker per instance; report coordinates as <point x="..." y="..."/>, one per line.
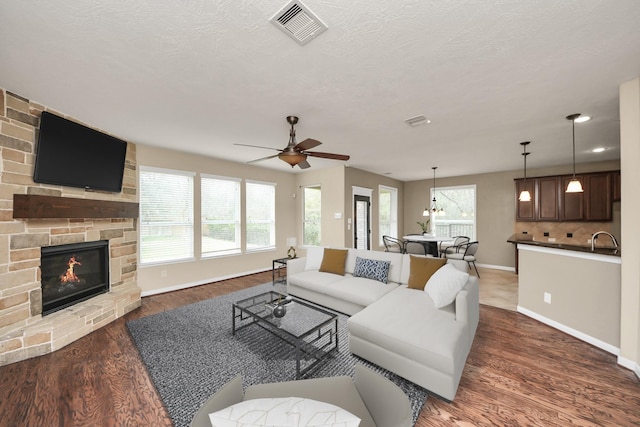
<point x="595" y="236"/>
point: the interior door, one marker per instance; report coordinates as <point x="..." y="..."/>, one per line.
<point x="361" y="228"/>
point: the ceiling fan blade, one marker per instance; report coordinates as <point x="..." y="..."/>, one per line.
<point x="304" y="164"/>
<point x="258" y="146"/>
<point x="327" y="155"/>
<point x="263" y="158"/>
<point x="307" y="144"/>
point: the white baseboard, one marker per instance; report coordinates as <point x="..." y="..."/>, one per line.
<point x="200" y="282"/>
<point x="629" y="364"/>
<point x="497" y="267"/>
<point x="573" y="332"/>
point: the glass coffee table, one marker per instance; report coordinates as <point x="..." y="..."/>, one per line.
<point x="312" y="331"/>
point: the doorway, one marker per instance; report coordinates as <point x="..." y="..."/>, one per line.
<point x="361" y="226"/>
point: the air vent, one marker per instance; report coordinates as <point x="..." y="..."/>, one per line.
<point x="417" y="121"/>
<point x="298" y="22"/>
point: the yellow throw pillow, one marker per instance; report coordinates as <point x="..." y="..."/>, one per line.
<point x="333" y="261"/>
<point x="421" y="269"/>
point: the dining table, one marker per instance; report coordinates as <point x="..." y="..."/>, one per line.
<point x="429" y="241"/>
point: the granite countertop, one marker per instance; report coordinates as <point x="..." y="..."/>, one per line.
<point x="598" y="250"/>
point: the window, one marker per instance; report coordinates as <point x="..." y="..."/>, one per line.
<point x="220" y="208"/>
<point x="387" y="212"/>
<point x="459" y="207"/>
<point x="312" y="201"/>
<point x="261" y="216"/>
<point x="166" y="215"/>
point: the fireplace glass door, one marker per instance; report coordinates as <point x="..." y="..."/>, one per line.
<point x="73" y="273"/>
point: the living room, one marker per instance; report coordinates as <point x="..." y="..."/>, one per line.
<point x="495" y="211"/>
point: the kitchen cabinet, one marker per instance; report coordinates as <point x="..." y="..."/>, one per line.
<point x="616" y="186"/>
<point x="548" y="198"/>
<point x="525" y="211"/>
<point x="572" y="204"/>
<point x="550" y="202"/>
<point x="598" y="197"/>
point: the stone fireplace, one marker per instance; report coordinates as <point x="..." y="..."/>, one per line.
<point x="34" y="216"/>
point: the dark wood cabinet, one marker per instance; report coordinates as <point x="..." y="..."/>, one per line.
<point x="616" y="186"/>
<point x="598" y="197"/>
<point x="572" y="204"/>
<point x="551" y="202"/>
<point x="525" y="211"/>
<point x="548" y="199"/>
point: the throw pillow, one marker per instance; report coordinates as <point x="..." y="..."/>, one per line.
<point x="372" y="269"/>
<point x="445" y="284"/>
<point x="283" y="412"/>
<point x="421" y="269"/>
<point x="333" y="261"/>
<point x="314" y="257"/>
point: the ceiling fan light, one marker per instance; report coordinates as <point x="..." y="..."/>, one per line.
<point x="525" y="196"/>
<point x="574" y="186"/>
<point x="293" y="158"/>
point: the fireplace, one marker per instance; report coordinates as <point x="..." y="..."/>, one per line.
<point x="73" y="273"/>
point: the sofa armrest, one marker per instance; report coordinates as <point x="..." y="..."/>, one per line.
<point x="296" y="265"/>
<point x="468" y="307"/>
<point x="230" y="394"/>
<point x="388" y="404"/>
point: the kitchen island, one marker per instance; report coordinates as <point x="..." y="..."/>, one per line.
<point x="573" y="289"/>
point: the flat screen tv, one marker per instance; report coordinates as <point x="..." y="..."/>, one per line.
<point x="73" y="155"/>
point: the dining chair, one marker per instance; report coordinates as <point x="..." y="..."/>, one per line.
<point x="392" y="244"/>
<point x="467" y="252"/>
<point x="452" y="247"/>
<point x="415" y="248"/>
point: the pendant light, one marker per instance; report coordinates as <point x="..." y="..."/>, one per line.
<point x="434" y="208"/>
<point x="525" y="196"/>
<point x="574" y="186"/>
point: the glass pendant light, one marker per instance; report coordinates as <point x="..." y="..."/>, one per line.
<point x="525" y="195"/>
<point x="574" y="186"/>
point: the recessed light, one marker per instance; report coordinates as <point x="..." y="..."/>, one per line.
<point x="598" y="150"/>
<point x="582" y="119"/>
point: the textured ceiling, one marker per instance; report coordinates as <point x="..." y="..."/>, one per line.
<point x="200" y="76"/>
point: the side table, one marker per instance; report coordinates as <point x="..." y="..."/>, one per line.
<point x="276" y="270"/>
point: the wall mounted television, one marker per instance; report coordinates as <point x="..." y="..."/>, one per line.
<point x="73" y="155"/>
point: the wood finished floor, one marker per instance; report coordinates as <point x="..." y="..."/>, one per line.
<point x="519" y="372"/>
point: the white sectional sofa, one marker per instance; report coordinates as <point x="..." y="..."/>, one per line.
<point x="396" y="327"/>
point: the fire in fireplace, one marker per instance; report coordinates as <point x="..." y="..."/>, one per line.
<point x="73" y="273"/>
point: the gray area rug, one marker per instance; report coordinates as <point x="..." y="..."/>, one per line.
<point x="190" y="354"/>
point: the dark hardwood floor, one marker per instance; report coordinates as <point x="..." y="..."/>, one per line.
<point x="520" y="372"/>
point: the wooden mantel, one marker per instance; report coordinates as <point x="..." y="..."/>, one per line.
<point x="37" y="206"/>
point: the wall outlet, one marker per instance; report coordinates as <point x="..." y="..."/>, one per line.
<point x="163" y="273"/>
<point x="547" y="297"/>
<point x="552" y="239"/>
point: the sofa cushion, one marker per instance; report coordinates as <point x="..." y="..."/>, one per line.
<point x="407" y="322"/>
<point x="421" y="269"/>
<point x="372" y="269"/>
<point x="333" y="261"/>
<point x="444" y="285"/>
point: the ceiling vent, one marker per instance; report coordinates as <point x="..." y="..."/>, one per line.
<point x="417" y="121"/>
<point x="298" y="22"/>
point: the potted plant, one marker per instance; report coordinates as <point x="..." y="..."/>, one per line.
<point x="425" y="226"/>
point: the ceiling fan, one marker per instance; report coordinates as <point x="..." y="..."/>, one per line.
<point x="296" y="154"/>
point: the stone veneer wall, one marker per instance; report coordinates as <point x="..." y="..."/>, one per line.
<point x="24" y="333"/>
